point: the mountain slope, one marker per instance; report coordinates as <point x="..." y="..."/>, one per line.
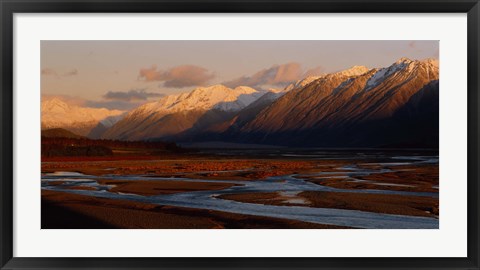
<point x="294" y="106"/>
<point x="80" y="120"/>
<point x="358" y="107"/>
<point x="336" y="110"/>
<point x="103" y="125"/>
<point x="227" y="122"/>
<point x="178" y="113"/>
<point x="60" y="133"/>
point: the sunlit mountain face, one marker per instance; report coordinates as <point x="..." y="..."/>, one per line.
<point x="240" y="134"/>
<point x="57" y="113"/>
<point x="391" y="106"/>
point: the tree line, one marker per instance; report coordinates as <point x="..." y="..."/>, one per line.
<point x="61" y="146"/>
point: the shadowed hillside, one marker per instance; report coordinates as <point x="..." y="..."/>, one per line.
<point x="59" y="142"/>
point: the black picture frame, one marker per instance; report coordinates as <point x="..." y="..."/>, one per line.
<point x="10" y="7"/>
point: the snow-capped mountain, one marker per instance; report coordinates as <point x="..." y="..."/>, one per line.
<point x="57" y="113"/>
<point x="353" y="71"/>
<point x="176" y="113"/>
<point x="394" y="105"/>
<point x="354" y="107"/>
<point x="204" y="98"/>
<point x="300" y="83"/>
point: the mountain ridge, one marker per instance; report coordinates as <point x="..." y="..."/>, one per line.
<point x="56" y="113"/>
<point x="336" y="104"/>
<point x="180" y="112"/>
<point x="347" y="108"/>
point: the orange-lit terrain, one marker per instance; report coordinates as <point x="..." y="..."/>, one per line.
<point x="145" y="177"/>
<point x="229" y="134"/>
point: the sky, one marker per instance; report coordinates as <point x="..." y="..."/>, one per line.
<point x="124" y="74"/>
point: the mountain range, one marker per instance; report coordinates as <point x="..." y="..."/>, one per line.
<point x="394" y="106"/>
<point x="84" y="121"/>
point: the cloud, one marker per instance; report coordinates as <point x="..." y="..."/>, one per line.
<point x="113" y="104"/>
<point x="276" y="76"/>
<point x="72" y="72"/>
<point x="178" y="77"/>
<point x="131" y="95"/>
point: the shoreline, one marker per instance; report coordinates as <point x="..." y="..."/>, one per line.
<point x="62" y="210"/>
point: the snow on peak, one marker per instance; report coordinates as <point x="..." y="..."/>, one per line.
<point x="410" y="64"/>
<point x="55" y="105"/>
<point x="380" y="74"/>
<point x="300" y="83"/>
<point x="307" y="80"/>
<point x="431" y="61"/>
<point x="403" y="63"/>
<point x="204" y="98"/>
<point x="353" y="71"/>
<point x="404" y="60"/>
<point x="58" y="113"/>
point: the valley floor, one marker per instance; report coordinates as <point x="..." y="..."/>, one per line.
<point x="239" y="191"/>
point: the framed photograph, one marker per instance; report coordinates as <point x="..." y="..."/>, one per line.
<point x="239" y="134"/>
